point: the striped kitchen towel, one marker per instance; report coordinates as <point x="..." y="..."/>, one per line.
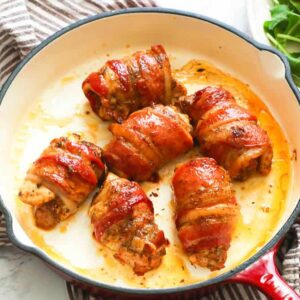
<point x="4" y="241"/>
<point x="23" y="25"/>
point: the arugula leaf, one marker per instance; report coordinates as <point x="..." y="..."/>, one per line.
<point x="279" y="16"/>
<point x="296" y="5"/>
<point x="283" y="31"/>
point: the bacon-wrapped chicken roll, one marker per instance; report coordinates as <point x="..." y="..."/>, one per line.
<point x="147" y="140"/>
<point x="206" y="211"/>
<point x="123" y="220"/>
<point x="61" y="179"/>
<point x="228" y="132"/>
<point x="131" y="83"/>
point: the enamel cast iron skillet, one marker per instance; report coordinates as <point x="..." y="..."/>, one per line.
<point x="190" y="36"/>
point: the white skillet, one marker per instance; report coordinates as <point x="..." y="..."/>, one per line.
<point x="83" y="47"/>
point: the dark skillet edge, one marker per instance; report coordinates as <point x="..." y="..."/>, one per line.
<point x="134" y="291"/>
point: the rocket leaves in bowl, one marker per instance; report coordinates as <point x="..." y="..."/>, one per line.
<point x="283" y="31"/>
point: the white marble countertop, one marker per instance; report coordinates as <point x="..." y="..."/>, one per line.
<point x="23" y="276"/>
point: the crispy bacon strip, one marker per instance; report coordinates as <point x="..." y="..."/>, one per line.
<point x="61" y="179"/>
<point x="228" y="132"/>
<point x="147" y="140"/>
<point x="206" y="211"/>
<point x="131" y="83"/>
<point x="123" y="220"/>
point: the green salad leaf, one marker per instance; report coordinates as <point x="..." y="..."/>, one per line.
<point x="283" y="31"/>
<point x="296" y="5"/>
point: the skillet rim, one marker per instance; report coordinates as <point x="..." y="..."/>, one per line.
<point x="138" y="291"/>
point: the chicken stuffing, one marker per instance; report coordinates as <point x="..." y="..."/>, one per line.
<point x="228" y="132"/>
<point x="206" y="211"/>
<point x="146" y="141"/>
<point x="61" y="179"/>
<point x="123" y="86"/>
<point x="123" y="221"/>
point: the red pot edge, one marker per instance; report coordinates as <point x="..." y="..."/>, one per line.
<point x="264" y="275"/>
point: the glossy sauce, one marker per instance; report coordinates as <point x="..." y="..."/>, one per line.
<point x="261" y="199"/>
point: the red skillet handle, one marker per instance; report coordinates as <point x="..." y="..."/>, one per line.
<point x="264" y="275"/>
